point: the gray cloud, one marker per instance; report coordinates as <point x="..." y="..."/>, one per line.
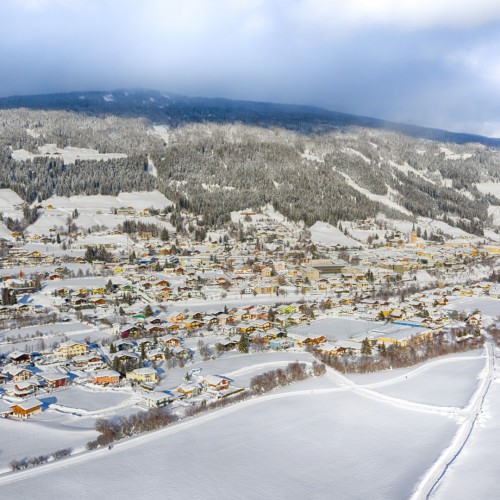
<point x="434" y="63"/>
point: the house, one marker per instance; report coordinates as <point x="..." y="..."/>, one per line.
<point x="22" y="388"/>
<point x="157" y="399"/>
<point x="26" y="409"/>
<point x="55" y="380"/>
<point x="88" y="361"/>
<point x="17" y="373"/>
<point x="307" y="339"/>
<point x="69" y="349"/>
<point x="227" y="344"/>
<point x="281" y="343"/>
<point x="129" y="331"/>
<point x="181" y="352"/>
<point x="190" y="389"/>
<point x="143" y="375"/>
<point x="215" y="382"/>
<point x="105" y="377"/>
<point x="169" y="340"/>
<point x="18" y="357"/>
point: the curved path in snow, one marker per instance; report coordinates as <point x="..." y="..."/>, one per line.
<point x="434" y="475"/>
<point x="345" y="385"/>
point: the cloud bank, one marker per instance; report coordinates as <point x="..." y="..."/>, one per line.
<point x="434" y="63"/>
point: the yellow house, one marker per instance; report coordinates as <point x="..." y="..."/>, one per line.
<point x="70" y="349"/>
<point x="147" y="375"/>
<point x="405" y="340"/>
<point x="310" y="273"/>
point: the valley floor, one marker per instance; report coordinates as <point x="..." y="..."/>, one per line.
<point x="367" y="436"/>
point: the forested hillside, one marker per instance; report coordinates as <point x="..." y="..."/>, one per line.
<point x="218" y="156"/>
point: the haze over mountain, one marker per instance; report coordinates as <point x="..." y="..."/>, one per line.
<point x="419" y="61"/>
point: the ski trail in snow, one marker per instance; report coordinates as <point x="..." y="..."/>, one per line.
<point x="424" y="367"/>
<point x="345" y="385"/>
<point x="402" y="403"/>
<point x="151" y="167"/>
<point x="431" y="480"/>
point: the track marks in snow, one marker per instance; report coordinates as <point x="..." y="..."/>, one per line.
<point x="432" y="478"/>
<point x="469" y="415"/>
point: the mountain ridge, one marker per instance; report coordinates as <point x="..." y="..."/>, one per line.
<point x="138" y="103"/>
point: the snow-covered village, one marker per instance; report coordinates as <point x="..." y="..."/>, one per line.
<point x="250" y="250"/>
<point x="103" y="322"/>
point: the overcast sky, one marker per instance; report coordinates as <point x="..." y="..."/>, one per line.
<point x="427" y="62"/>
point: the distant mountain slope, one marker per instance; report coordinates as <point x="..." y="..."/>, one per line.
<point x="162" y="107"/>
<point x="216" y="156"/>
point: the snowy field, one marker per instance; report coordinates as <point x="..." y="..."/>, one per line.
<point x="444" y="382"/>
<point x="475" y="472"/>
<point x="325" y="234"/>
<point x="32" y="338"/>
<point x="487" y="305"/>
<point x="68" y="154"/>
<point x="26" y="439"/>
<point x="337" y="328"/>
<point x="283" y="446"/>
<point x="97" y="210"/>
<point x="85" y="401"/>
<point x="307" y="440"/>
<point x="489" y="188"/>
<point x="239" y="367"/>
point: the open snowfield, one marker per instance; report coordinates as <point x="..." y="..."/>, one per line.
<point x="325" y="234"/>
<point x="26" y="439"/>
<point x="475" y="472"/>
<point x="281" y="446"/>
<point x="86" y="401"/>
<point x="239" y="367"/>
<point x="31" y="337"/>
<point x="494" y="212"/>
<point x="337" y="328"/>
<point x="97" y="210"/>
<point x="487" y="305"/>
<point x="489" y="188"/>
<point x="69" y="154"/>
<point x="445" y="382"/>
<point x="324" y="436"/>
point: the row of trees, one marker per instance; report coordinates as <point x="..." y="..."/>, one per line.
<point x="111" y="430"/>
<point x="294" y="372"/>
<point x="26" y="462"/>
<point x="396" y="356"/>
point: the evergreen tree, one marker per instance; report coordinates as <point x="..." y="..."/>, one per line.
<point x="164" y="234"/>
<point x="243" y="343"/>
<point x="366" y="347"/>
<point x="383" y="350"/>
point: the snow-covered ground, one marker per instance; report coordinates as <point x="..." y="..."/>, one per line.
<point x="69" y="154"/>
<point x="325" y="234"/>
<point x="302" y="444"/>
<point x="336" y="328"/>
<point x="306" y="440"/>
<point x="489" y="188"/>
<point x="97" y="210"/>
<point x="474" y="474"/>
<point x="487" y="305"/>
